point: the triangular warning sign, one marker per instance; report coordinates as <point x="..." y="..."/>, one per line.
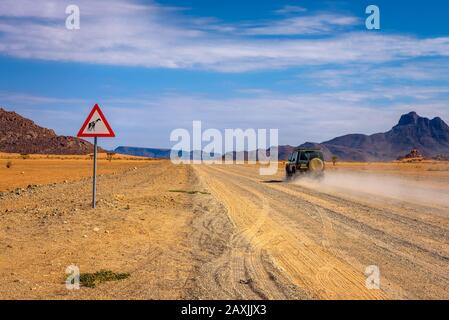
<point x="96" y="125"/>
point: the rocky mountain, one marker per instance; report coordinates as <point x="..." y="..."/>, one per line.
<point x="21" y="135"/>
<point x="430" y="137"/>
<point x="283" y="153"/>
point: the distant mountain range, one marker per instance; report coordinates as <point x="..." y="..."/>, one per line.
<point x="144" y="152"/>
<point x="158" y="153"/>
<point x="430" y="137"/>
<point x="21" y="135"/>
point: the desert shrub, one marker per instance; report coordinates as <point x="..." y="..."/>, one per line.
<point x="90" y="280"/>
<point x="110" y="155"/>
<point x="334" y="160"/>
<point x="8" y="164"/>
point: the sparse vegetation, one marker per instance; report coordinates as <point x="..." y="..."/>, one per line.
<point x="437" y="169"/>
<point x="334" y="160"/>
<point x="189" y="192"/>
<point x="110" y="155"/>
<point x="9" y="164"/>
<point x="91" y="280"/>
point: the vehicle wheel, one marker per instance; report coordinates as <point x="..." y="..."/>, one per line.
<point x="316" y="166"/>
<point x="289" y="173"/>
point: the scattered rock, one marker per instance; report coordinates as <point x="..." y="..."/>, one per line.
<point x="96" y="229"/>
<point x="119" y="197"/>
<point x="246" y="281"/>
<point x="414" y="156"/>
<point x="85" y="236"/>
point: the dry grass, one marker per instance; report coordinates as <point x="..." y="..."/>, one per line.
<point x="419" y="170"/>
<point x="117" y="156"/>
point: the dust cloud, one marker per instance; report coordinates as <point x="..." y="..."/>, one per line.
<point x="364" y="184"/>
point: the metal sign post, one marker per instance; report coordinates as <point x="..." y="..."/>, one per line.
<point x="95" y="126"/>
<point x="94" y="178"/>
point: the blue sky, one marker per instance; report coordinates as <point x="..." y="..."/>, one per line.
<point x="309" y="68"/>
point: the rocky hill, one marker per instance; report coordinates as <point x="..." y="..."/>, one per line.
<point x="430" y="137"/>
<point x="21" y="135"/>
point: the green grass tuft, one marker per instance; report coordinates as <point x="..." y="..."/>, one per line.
<point x="90" y="280"/>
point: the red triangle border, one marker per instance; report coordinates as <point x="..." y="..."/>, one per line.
<point x="111" y="133"/>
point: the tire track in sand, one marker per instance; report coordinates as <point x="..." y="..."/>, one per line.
<point x="311" y="267"/>
<point x="241" y="271"/>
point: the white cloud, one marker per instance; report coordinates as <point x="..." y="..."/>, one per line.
<point x="369" y="76"/>
<point x="304" y="25"/>
<point x="290" y="9"/>
<point x="128" y="33"/>
<point x="30" y="100"/>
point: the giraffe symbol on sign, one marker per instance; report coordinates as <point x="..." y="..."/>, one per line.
<point x="92" y="124"/>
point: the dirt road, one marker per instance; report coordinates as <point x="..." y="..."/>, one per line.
<point x="322" y="242"/>
<point x="219" y="232"/>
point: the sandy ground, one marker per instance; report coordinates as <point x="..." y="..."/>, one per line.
<point x="323" y="235"/>
<point x="245" y="236"/>
<point x="45" y="169"/>
<point x="139" y="227"/>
